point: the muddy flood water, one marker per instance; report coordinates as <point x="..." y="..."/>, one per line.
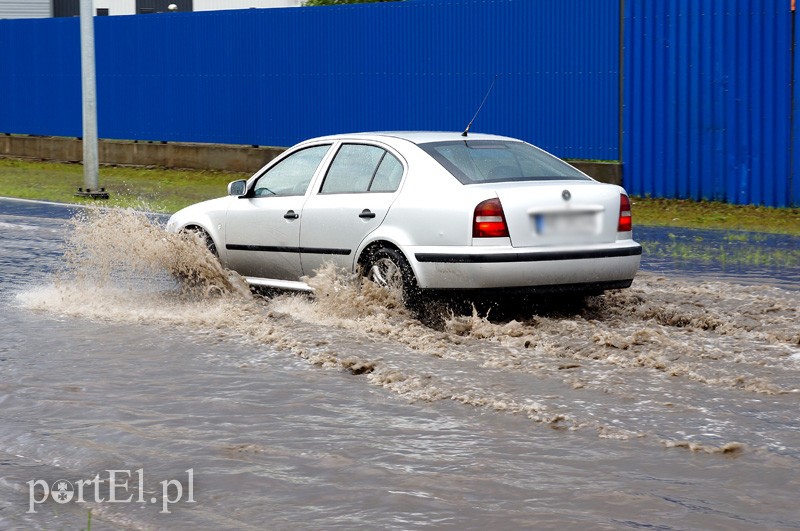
<point x="142" y="402"/>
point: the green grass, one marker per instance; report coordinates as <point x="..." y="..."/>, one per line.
<point x="157" y="189"/>
<point x="713" y="215"/>
<point x="165" y="190"/>
<point x="732" y="250"/>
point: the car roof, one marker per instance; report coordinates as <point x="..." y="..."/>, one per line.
<point x="416" y="137"/>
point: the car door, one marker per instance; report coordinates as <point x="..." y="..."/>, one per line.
<point x="358" y="188"/>
<point x="262" y="233"/>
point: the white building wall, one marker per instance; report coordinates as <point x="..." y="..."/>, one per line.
<point x="209" y="5"/>
<point x="25" y="9"/>
<point x="43" y="8"/>
<point x="116" y="7"/>
<point x="128" y="7"/>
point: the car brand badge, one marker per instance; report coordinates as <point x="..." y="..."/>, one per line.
<point x="566" y="195"/>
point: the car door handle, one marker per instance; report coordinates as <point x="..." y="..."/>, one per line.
<point x="291" y="215"/>
<point x="366" y="214"/>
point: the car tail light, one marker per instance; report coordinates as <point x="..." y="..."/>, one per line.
<point x="625" y="220"/>
<point x="489" y="220"/>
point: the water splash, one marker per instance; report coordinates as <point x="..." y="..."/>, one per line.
<point x="121" y="246"/>
<point x="620" y="364"/>
<point x="120" y="265"/>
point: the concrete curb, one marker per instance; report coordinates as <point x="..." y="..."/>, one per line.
<point x="222" y="157"/>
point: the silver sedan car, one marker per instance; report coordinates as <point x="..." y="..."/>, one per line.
<point x="423" y="211"/>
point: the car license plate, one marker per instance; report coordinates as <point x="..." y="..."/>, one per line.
<point x="566" y="223"/>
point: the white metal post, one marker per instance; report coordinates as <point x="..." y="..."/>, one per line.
<point x="88" y="82"/>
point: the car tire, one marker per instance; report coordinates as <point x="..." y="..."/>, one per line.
<point x="190" y="274"/>
<point x="210" y="245"/>
<point x="389" y="269"/>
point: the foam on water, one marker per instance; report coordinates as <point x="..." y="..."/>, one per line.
<point x="120" y="266"/>
<point x="623" y="364"/>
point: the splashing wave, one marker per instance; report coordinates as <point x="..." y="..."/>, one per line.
<point x="620" y="364"/>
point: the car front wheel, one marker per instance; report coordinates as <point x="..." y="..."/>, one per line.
<point x="203" y="235"/>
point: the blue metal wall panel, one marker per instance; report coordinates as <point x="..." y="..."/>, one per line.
<point x="707" y="95"/>
<point x="794" y="186"/>
<point x="40" y="77"/>
<point x="276" y="76"/>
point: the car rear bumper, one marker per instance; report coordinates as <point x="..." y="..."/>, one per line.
<point x="600" y="266"/>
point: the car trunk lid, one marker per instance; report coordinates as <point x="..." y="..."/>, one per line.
<point x="560" y="212"/>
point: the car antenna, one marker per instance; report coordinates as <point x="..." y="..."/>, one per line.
<point x="481" y="106"/>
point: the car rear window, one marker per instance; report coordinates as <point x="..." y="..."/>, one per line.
<point x="493" y="161"/>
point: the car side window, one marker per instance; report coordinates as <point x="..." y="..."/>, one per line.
<point x="360" y="168"/>
<point x="388" y="176"/>
<point x="292" y="175"/>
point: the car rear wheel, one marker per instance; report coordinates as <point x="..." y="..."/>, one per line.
<point x="389" y="269"/>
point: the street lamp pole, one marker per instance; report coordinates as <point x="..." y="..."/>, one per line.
<point x="89" y="86"/>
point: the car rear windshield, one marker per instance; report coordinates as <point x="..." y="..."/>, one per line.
<point x="494" y="161"/>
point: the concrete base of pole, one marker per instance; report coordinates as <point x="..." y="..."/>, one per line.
<point x="92" y="194"/>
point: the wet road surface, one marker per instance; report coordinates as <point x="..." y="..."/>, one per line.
<point x="672" y="405"/>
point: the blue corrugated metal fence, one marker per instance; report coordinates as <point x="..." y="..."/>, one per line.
<point x="794" y="186"/>
<point x="707" y="107"/>
<point x="708" y="100"/>
<point x="40" y="77"/>
<point x="276" y="76"/>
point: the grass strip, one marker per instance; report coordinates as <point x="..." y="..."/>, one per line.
<point x="714" y="215"/>
<point x="155" y="189"/>
<point x="168" y="190"/>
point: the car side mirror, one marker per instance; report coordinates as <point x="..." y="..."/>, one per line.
<point x="237" y="188"/>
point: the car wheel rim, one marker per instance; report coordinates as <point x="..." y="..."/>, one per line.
<point x="385" y="273"/>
